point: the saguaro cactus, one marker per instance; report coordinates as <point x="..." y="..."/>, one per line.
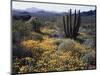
<point x="71" y="28"/>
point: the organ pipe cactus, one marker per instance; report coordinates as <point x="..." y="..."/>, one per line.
<point x="71" y="25"/>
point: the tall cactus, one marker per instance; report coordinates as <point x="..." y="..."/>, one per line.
<point x="71" y="29"/>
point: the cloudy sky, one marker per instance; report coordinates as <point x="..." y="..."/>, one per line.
<point x="49" y="7"/>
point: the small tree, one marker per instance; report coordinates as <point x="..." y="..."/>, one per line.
<point x="36" y="25"/>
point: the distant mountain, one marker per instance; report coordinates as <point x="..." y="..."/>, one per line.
<point x="88" y="13"/>
<point x="40" y="13"/>
<point x="19" y="12"/>
<point x="35" y="10"/>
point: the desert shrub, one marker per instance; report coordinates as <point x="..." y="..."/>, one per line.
<point x="48" y="30"/>
<point x="16" y="65"/>
<point x="24" y="69"/>
<point x="48" y="45"/>
<point x="47" y="59"/>
<point x="33" y="47"/>
<point x="45" y="30"/>
<point x="36" y="24"/>
<point x="30" y="61"/>
<point x="81" y="49"/>
<point x="29" y="65"/>
<point x="51" y="61"/>
<point x="23" y="65"/>
<point x="18" y="50"/>
<point x="36" y="48"/>
<point x="30" y="44"/>
<point x="16" y="69"/>
<point x="36" y="36"/>
<point x="40" y="46"/>
<point x="89" y="58"/>
<point x="66" y="45"/>
<point x="58" y="41"/>
<point x="75" y="47"/>
<point x="20" y="30"/>
<point x="89" y="42"/>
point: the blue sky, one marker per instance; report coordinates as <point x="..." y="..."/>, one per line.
<point x="50" y="7"/>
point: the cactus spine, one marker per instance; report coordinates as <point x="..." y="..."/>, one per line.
<point x="71" y="28"/>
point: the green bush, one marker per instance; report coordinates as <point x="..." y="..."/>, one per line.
<point x="66" y="45"/>
<point x="20" y="30"/>
<point x="24" y="69"/>
<point x="89" y="58"/>
<point x="16" y="69"/>
<point x="37" y="37"/>
<point x="16" y="66"/>
<point x="58" y="41"/>
<point x="32" y="48"/>
<point x="36" y="24"/>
